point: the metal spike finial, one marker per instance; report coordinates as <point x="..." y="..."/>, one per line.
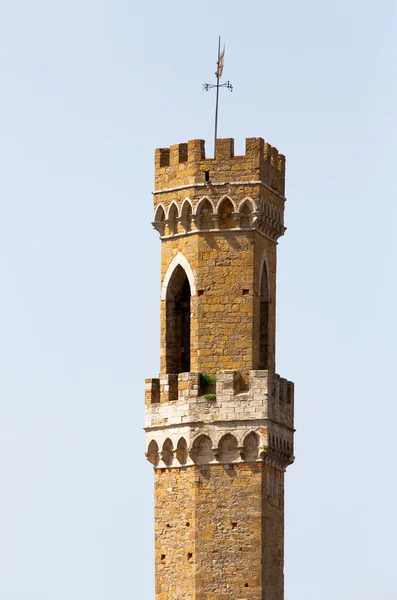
<point x="217" y="85"/>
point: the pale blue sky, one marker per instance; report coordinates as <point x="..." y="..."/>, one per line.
<point x="88" y="90"/>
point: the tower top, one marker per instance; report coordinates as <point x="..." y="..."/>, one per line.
<point x="186" y="165"/>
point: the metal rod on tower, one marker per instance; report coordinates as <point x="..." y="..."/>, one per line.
<point x="209" y="86"/>
<point x="217" y="94"/>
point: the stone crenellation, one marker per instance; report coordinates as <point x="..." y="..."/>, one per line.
<point x="254" y="424"/>
<point x="193" y="193"/>
<point x="186" y="164"/>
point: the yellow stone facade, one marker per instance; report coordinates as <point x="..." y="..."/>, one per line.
<point x="219" y="420"/>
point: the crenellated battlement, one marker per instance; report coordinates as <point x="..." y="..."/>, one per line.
<point x="185" y="164"/>
<point x="177" y="408"/>
<point x="198" y="194"/>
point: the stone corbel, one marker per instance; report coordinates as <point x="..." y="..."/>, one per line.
<point x="153" y="458"/>
<point x="196" y="219"/>
<point x="185" y="223"/>
<point x="159" y="226"/>
<point x="163" y="461"/>
<point x="254" y="218"/>
<point x="215" y="220"/>
<point x="216" y="453"/>
<point x="237" y="219"/>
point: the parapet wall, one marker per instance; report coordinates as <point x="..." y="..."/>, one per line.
<point x="186" y="164"/>
<point x="258" y="422"/>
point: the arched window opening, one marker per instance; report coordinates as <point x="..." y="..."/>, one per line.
<point x="226" y="220"/>
<point x="178" y="323"/>
<point x="264" y="321"/>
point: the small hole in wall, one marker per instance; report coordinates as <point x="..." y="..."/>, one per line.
<point x="168" y="525"/>
<point x="234" y="525"/>
<point x="200" y="292"/>
<point x="189" y="555"/>
<point x="246" y="292"/>
<point x="245" y="584"/>
<point x="207" y="175"/>
<point x="188" y="524"/>
<point x="241" y="548"/>
<point x="162" y="558"/>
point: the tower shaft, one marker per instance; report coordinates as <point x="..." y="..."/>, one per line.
<point x="219" y="420"/>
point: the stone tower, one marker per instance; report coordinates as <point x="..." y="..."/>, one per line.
<point x="219" y="420"/>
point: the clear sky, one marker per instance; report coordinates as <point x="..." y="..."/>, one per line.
<point x="88" y="90"/>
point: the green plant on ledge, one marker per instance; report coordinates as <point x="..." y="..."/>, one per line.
<point x="206" y="380"/>
<point x="210" y="397"/>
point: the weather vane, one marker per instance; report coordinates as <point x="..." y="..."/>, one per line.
<point x="217" y="85"/>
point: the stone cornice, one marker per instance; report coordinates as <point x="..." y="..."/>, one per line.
<point x="218" y="184"/>
<point x="221" y="231"/>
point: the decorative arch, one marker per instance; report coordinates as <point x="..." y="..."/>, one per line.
<point x="179" y="259"/>
<point x="186" y="214"/>
<point x="204" y="214"/>
<point x="251" y="446"/>
<point x="181" y="451"/>
<point x="227" y="197"/>
<point x="226" y="209"/>
<point x="159" y="219"/>
<point x="152" y="453"/>
<point x="167" y="453"/>
<point x="202" y="452"/>
<point x="200" y="204"/>
<point x="227" y="449"/>
<point x="173" y="211"/>
<point x="159" y="213"/>
<point x="172" y="217"/>
<point x="248" y="200"/>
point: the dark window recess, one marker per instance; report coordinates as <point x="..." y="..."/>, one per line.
<point x="246" y="292"/>
<point x="188" y="524"/>
<point x="207" y="175"/>
<point x="178" y="323"/>
<point x="189" y="555"/>
<point x="200" y="292"/>
<point x="245" y="584"/>
<point x="163" y="557"/>
<point x="234" y="525"/>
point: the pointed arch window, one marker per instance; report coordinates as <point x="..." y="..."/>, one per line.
<point x="178" y="322"/>
<point x="264" y="320"/>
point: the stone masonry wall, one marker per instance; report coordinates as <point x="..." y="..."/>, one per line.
<point x="225" y="309"/>
<point x="219" y="533"/>
<point x="224" y="216"/>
